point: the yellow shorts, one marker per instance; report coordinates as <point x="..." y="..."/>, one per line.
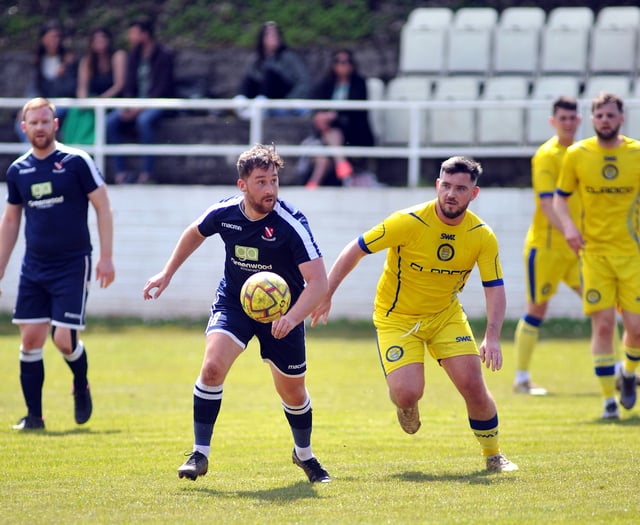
<point x="611" y="281"/>
<point x="545" y="269"/>
<point x="402" y="341"/>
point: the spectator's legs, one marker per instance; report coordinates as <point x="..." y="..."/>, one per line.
<point x="114" y="136"/>
<point x="145" y="124"/>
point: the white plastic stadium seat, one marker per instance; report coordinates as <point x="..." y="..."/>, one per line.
<point x="614" y="40"/>
<point x="471" y="40"/>
<point x="523" y="17"/>
<point x="454" y="126"/>
<point x="396" y="121"/>
<point x="618" y="16"/>
<point x="431" y="17"/>
<point x="547" y="89"/>
<point x="618" y="84"/>
<point x="565" y="40"/>
<point x="376" y="91"/>
<point x="475" y="17"/>
<point x="503" y="125"/>
<point x="578" y="17"/>
<point x="423" y="40"/>
<point x="517" y="40"/>
<point x="422" y="50"/>
<point x="632" y="114"/>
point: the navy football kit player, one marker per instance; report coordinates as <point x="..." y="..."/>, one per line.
<point x="260" y="233"/>
<point x="53" y="185"/>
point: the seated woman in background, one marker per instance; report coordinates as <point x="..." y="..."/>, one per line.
<point x="277" y="72"/>
<point x="101" y="73"/>
<point x="339" y="128"/>
<point x="54" y="71"/>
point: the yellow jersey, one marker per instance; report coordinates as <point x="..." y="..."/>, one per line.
<point x="428" y="262"/>
<point x="607" y="181"/>
<point x="545" y="170"/>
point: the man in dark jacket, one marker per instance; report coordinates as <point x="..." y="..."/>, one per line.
<point x="149" y="75"/>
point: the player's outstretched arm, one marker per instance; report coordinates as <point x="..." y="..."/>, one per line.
<point x="189" y="242"/>
<point x="347" y="260"/>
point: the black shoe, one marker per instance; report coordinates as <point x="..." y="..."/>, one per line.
<point x="619" y="381"/>
<point x="196" y="465"/>
<point x="29" y="422"/>
<point x="312" y="468"/>
<point x="628" y="392"/>
<point x="83" y="405"/>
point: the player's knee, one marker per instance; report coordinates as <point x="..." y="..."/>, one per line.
<point x="63" y="339"/>
<point x="405" y="396"/>
<point x="473" y="389"/>
<point x="632" y="336"/>
<point x="212" y="374"/>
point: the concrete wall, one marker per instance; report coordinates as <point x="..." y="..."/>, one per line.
<point x="149" y="220"/>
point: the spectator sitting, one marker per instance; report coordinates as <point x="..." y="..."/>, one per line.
<point x="54" y="71"/>
<point x="338" y="128"/>
<point x="277" y="73"/>
<point x="101" y="73"/>
<point x="149" y="74"/>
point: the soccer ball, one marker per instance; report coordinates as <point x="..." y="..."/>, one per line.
<point x="265" y="296"/>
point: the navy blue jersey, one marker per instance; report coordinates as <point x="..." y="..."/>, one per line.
<point x="277" y="243"/>
<point x="54" y="195"/>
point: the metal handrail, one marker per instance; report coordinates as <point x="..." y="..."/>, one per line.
<point x="413" y="151"/>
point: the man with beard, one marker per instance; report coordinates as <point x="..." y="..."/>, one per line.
<point x="431" y="250"/>
<point x="260" y="232"/>
<point x="54" y="185"/>
<point x="604" y="170"/>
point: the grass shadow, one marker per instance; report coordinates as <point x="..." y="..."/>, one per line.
<point x="631" y="421"/>
<point x="300" y="490"/>
<point x="70" y="432"/>
<point x="481" y="477"/>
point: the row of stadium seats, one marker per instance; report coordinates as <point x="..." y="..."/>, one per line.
<point x="520" y="40"/>
<point x="511" y="125"/>
<point x="478" y="54"/>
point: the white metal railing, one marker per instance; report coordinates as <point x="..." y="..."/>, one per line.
<point x="413" y="151"/>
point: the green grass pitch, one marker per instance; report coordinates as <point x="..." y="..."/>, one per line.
<point x="121" y="466"/>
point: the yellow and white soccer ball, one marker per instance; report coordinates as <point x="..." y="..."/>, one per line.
<point x="265" y="296"/>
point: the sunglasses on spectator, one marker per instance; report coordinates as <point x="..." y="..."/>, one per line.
<point x="341" y="61"/>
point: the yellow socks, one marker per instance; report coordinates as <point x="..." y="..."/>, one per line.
<point x="631" y="360"/>
<point x="604" y="367"/>
<point x="486" y="432"/>
<point x="526" y="338"/>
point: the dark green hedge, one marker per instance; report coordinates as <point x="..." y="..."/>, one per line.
<point x="206" y="23"/>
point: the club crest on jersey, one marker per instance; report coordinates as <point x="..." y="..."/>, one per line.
<point x="268" y="234"/>
<point x="445" y="252"/>
<point x="609" y="171"/>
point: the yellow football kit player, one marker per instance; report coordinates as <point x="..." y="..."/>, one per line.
<point x="608" y="182"/>
<point x="428" y="263"/>
<point x="548" y="258"/>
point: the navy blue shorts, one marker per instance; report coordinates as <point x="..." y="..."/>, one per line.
<point x="53" y="291"/>
<point x="287" y="354"/>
